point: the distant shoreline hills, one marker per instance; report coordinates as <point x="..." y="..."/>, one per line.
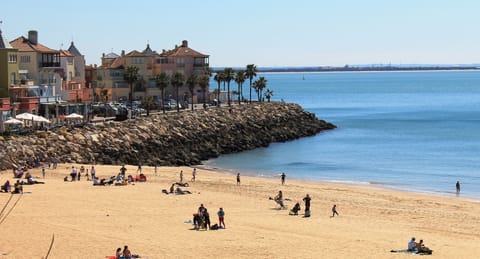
<point x="362" y="68"/>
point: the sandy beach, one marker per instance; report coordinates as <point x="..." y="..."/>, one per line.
<point x="92" y="221"/>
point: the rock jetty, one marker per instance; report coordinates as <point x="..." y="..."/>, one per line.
<point x="185" y="138"/>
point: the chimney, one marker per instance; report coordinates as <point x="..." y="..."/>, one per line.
<point x="123" y="53"/>
<point x="185" y="43"/>
<point x="103" y="55"/>
<point x="33" y="37"/>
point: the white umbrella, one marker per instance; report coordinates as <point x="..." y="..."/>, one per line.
<point x="74" y="116"/>
<point x="40" y="119"/>
<point x="25" y="116"/>
<point x="32" y="117"/>
<point x="13" y="121"/>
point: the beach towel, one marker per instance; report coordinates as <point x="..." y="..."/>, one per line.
<point x="411" y="252"/>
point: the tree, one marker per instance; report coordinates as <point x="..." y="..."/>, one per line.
<point x="259" y="85"/>
<point x="268" y="94"/>
<point x="147" y="103"/>
<point x="203" y="82"/>
<point x="177" y="81"/>
<point x="251" y="72"/>
<point x="229" y="75"/>
<point x="240" y="79"/>
<point x="191" y="83"/>
<point x="131" y="76"/>
<point x="162" y="80"/>
<point x="219" y="79"/>
<point x="104" y="98"/>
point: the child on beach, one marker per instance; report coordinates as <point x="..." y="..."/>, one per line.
<point x="221" y="215"/>
<point x="238" y="178"/>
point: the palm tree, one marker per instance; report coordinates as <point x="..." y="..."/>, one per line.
<point x="192" y="82"/>
<point x="240" y="79"/>
<point x="131" y="76"/>
<point x="162" y="80"/>
<point x="268" y="94"/>
<point x="251" y="72"/>
<point x="229" y="74"/>
<point x="219" y="79"/>
<point x="177" y="81"/>
<point x="104" y="97"/>
<point x="259" y="85"/>
<point x="203" y="82"/>
<point x="148" y="102"/>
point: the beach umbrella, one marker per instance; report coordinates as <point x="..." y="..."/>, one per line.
<point x="13" y="121"/>
<point x="25" y="116"/>
<point x="37" y="118"/>
<point x="74" y="116"/>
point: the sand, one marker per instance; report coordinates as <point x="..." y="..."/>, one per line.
<point x="92" y="221"/>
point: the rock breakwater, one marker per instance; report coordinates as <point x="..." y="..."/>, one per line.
<point x="185" y="138"/>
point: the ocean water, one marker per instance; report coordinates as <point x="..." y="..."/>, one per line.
<point x="415" y="131"/>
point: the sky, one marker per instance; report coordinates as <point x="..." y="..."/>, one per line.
<point x="267" y="33"/>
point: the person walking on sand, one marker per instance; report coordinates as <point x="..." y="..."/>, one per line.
<point x="43" y="172"/>
<point x="139" y="168"/>
<point x="457" y="185"/>
<point x="181" y="176"/>
<point x="238" y="178"/>
<point x="221" y="215"/>
<point x="334" y="210"/>
<point x="194" y="173"/>
<point x="283" y="178"/>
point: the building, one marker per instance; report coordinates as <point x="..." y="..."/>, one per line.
<point x="52" y="81"/>
<point x="8" y="72"/>
<point x="111" y="86"/>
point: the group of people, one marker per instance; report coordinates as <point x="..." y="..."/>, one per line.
<point x="125" y="253"/>
<point x="76" y="174"/>
<point x="419" y="247"/>
<point x="201" y="219"/>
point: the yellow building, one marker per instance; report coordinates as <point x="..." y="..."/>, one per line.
<point x="8" y="66"/>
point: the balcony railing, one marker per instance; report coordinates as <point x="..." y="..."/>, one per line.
<point x="50" y="64"/>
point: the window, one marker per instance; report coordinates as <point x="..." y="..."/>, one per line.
<point x="24" y="59"/>
<point x="12" y="59"/>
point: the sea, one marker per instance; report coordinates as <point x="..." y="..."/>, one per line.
<point x="414" y="131"/>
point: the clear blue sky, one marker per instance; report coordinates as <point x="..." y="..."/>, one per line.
<point x="262" y="32"/>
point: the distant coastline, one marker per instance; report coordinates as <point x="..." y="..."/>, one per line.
<point x="364" y="68"/>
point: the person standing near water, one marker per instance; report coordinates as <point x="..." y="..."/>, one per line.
<point x="457" y="185"/>
<point x="283" y="178"/>
<point x="238" y="178"/>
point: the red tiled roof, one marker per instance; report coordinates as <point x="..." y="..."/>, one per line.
<point x="183" y="51"/>
<point x="117" y="63"/>
<point x="23" y="44"/>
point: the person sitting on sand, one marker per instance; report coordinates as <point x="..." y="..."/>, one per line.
<point x="118" y="253"/>
<point x="421" y="248"/>
<point x="172" y="188"/>
<point x="126" y="253"/>
<point x="18" y="188"/>
<point x="294" y="211"/>
<point x="6" y="187"/>
<point x="412" y="244"/>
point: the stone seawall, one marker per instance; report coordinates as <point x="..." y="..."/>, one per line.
<point x="184" y="138"/>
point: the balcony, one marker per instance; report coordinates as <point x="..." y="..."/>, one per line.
<point x="50" y="64"/>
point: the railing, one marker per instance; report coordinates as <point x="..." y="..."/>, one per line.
<point x="50" y="64"/>
<point x="50" y="99"/>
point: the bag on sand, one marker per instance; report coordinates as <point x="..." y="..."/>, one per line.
<point x="214" y="227"/>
